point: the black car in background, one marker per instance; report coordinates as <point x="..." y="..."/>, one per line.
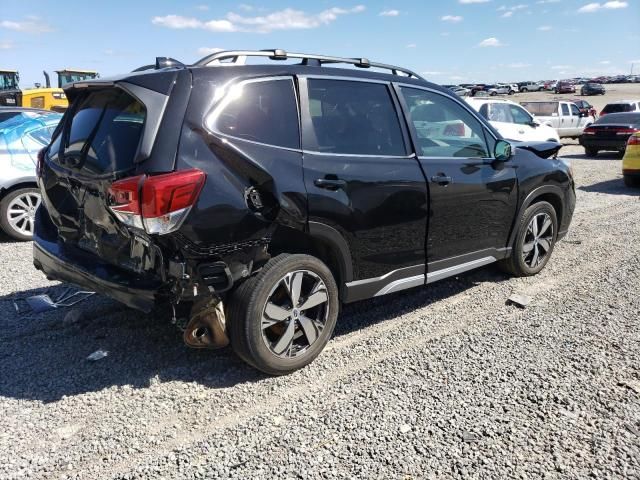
<point x="592" y="89"/>
<point x="610" y="132"/>
<point x="264" y="196"/>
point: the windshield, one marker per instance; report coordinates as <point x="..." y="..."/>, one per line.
<point x="64" y="78"/>
<point x="618" y="107"/>
<point x="8" y="81"/>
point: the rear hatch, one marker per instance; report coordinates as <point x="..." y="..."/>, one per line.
<point x="113" y="130"/>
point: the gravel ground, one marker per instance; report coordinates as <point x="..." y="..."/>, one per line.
<point x="441" y="382"/>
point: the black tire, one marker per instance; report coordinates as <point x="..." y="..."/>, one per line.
<point x="591" y="152"/>
<point x="511" y="92"/>
<point x="516" y="264"/>
<point x="493" y="94"/>
<point x="631" y="180"/>
<point x="246" y="310"/>
<point x="23" y="230"/>
<point x="524" y="90"/>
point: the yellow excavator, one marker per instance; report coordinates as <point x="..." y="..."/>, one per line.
<point x="45" y="97"/>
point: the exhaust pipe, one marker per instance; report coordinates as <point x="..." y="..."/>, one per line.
<point x="206" y="327"/>
<point x="47" y="81"/>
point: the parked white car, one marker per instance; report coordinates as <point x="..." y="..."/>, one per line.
<point x="512" y="121"/>
<point x="565" y="117"/>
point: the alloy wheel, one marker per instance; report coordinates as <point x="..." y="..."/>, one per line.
<point x="21" y="212"/>
<point x="537" y="240"/>
<point x="295" y="314"/>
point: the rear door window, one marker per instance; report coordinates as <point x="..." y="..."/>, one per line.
<point x="103" y="134"/>
<point x="443" y="127"/>
<point x="356" y="118"/>
<point x="263" y="111"/>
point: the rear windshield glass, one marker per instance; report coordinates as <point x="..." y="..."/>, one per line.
<point x="104" y="132"/>
<point x="617" y="107"/>
<point x="541" y="108"/>
<point x="630" y="118"/>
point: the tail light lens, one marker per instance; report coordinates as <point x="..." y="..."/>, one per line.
<point x="634" y="140"/>
<point x="626" y="131"/>
<point x="603" y="113"/>
<point x="589" y="131"/>
<point x="159" y="203"/>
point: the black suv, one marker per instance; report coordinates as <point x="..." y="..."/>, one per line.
<point x="262" y="194"/>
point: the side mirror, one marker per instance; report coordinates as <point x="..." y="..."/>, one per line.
<point x="502" y="151"/>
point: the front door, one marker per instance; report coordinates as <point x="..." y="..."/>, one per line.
<point x="472" y="198"/>
<point x="362" y="181"/>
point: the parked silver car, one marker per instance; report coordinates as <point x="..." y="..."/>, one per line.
<point x="21" y="138"/>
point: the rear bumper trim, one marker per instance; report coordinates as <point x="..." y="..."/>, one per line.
<point x="55" y="266"/>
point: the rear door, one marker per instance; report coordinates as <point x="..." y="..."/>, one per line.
<point x="363" y="182"/>
<point x="472" y="199"/>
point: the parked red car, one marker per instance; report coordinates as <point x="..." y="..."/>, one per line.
<point x="585" y="107"/>
<point x="565" y="87"/>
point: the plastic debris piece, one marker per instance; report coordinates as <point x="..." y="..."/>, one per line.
<point x="97" y="355"/>
<point x="518" y="300"/>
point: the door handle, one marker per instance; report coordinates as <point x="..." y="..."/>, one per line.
<point x="329" y="183"/>
<point x="441" y="179"/>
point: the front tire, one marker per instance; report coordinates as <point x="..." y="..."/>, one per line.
<point x="535" y="240"/>
<point x="17" y="213"/>
<point x="280" y="319"/>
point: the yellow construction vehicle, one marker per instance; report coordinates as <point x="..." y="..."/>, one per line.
<point x="53" y="98"/>
<point x="10" y="94"/>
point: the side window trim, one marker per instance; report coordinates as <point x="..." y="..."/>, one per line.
<point x="307" y="132"/>
<point x="219" y="105"/>
<point x="486" y="129"/>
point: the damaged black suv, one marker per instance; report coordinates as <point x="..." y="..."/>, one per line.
<point x="263" y="189"/>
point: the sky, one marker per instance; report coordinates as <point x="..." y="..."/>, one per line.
<point x="447" y="41"/>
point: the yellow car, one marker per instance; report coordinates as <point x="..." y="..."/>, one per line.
<point x="631" y="161"/>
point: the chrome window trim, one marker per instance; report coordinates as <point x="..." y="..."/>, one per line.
<point x="220" y="105"/>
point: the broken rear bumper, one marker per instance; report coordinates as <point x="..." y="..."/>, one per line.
<point x="90" y="273"/>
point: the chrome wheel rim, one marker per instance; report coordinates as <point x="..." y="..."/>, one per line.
<point x="21" y="213"/>
<point x="538" y="240"/>
<point x="295" y="314"/>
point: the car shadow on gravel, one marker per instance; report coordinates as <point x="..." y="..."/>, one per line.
<point x="43" y="356"/>
<point x="600" y="156"/>
<point x="614" y="186"/>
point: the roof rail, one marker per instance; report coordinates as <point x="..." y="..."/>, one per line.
<point x="239" y="57"/>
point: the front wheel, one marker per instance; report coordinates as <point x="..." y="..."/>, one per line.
<point x="280" y="319"/>
<point x="536" y="237"/>
<point x="18" y="211"/>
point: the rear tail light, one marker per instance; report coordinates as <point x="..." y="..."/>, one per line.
<point x="159" y="203"/>
<point x="454" y="130"/>
<point x="603" y="113"/>
<point x="634" y="140"/>
<point x="589" y="131"/>
<point x="626" y="131"/>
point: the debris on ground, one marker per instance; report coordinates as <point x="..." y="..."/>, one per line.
<point x="44" y="303"/>
<point x="520" y="301"/>
<point x="97" y="355"/>
<point x="631" y="384"/>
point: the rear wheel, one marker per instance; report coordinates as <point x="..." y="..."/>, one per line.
<point x="536" y="237"/>
<point x="590" y="151"/>
<point x="631" y="180"/>
<point x="280" y="319"/>
<point x="524" y="90"/>
<point x="18" y="211"/>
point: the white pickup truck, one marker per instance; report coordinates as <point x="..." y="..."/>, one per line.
<point x="565" y="117"/>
